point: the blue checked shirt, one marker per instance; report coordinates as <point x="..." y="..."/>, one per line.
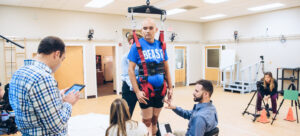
<point x="37" y="102"/>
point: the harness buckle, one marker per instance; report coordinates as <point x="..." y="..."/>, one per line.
<point x="143" y="61"/>
<point x="144" y="79"/>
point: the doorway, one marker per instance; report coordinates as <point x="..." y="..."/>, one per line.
<point x="180" y="66"/>
<point x="105" y="69"/>
<point x="212" y="62"/>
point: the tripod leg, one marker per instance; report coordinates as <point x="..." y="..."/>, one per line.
<point x="249" y="103"/>
<point x="264" y="102"/>
<point x="277" y="111"/>
<point x="299" y="104"/>
<point x="255" y="116"/>
<point x="296" y="107"/>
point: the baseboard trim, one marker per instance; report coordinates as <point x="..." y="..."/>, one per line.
<point x="192" y="83"/>
<point x="91" y="96"/>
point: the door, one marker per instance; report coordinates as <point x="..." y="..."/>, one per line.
<point x="180" y="66"/>
<point x="71" y="69"/>
<point x="212" y="63"/>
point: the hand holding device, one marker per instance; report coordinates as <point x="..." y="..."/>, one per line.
<point x="76" y="88"/>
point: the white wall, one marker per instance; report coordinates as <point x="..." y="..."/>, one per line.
<point x="2" y="72"/>
<point x="72" y="27"/>
<point x="256" y="41"/>
<point x="279" y="22"/>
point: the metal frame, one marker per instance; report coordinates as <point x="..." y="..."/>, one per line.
<point x="242" y="85"/>
<point x="147" y="9"/>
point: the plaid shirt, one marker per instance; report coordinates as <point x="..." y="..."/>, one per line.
<point x="37" y="102"/>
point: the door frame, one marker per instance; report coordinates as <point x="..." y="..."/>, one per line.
<point x="117" y="65"/>
<point x="204" y="59"/>
<point x="187" y="71"/>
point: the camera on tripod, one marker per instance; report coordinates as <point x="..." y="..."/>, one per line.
<point x="259" y="85"/>
<point x="262" y="59"/>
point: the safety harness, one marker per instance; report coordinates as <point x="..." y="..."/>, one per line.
<point x="150" y="68"/>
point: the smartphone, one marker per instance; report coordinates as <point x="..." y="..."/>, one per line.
<point x="76" y="87"/>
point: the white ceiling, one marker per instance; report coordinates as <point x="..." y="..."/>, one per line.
<point x="231" y="8"/>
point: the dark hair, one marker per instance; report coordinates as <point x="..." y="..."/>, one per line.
<point x="206" y="85"/>
<point x="51" y="44"/>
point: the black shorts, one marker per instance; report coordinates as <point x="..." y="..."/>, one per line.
<point x="155" y="102"/>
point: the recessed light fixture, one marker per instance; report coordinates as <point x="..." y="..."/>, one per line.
<point x="175" y="11"/>
<point x="98" y="3"/>
<point x="213" y="16"/>
<point x="265" y="7"/>
<point x="214" y="1"/>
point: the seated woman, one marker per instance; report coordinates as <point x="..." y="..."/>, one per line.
<point x="268" y="90"/>
<point x="120" y="123"/>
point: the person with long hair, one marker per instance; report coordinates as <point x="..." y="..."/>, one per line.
<point x="120" y="122"/>
<point x="267" y="90"/>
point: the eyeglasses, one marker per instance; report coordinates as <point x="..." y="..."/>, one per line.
<point x="150" y="28"/>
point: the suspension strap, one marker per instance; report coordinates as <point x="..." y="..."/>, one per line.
<point x="146" y="86"/>
<point x="139" y="48"/>
<point x="163" y="43"/>
<point x="163" y="47"/>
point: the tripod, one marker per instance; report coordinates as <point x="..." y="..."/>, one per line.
<point x="261" y="64"/>
<point x="292" y="87"/>
<point x="254" y="114"/>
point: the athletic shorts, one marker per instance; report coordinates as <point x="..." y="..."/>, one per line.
<point x="155" y="102"/>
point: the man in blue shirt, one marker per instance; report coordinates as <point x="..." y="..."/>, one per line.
<point x="40" y="108"/>
<point x="158" y="73"/>
<point x="203" y="117"/>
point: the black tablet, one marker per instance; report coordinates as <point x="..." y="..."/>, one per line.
<point x="76" y="87"/>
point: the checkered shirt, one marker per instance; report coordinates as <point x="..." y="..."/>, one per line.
<point x="37" y="102"/>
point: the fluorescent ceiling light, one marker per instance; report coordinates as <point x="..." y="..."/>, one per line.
<point x="213" y="16"/>
<point x="98" y="3"/>
<point x="175" y="11"/>
<point x="264" y="7"/>
<point x="214" y="1"/>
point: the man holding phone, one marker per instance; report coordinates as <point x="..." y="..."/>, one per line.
<point x="75" y="87"/>
<point x="40" y="108"/>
